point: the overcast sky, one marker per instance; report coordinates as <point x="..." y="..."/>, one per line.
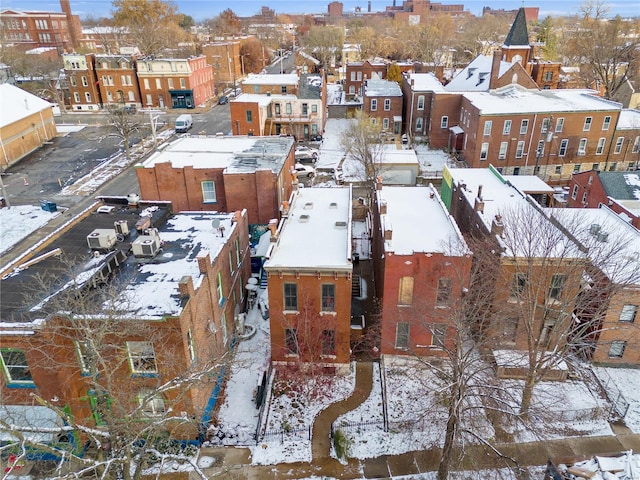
<point x="201" y="9"/>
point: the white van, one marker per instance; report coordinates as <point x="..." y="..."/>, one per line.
<point x="184" y="123"/>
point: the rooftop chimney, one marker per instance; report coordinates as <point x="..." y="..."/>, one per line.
<point x="273" y="227"/>
<point x="378" y="183"/>
<point x="495" y="69"/>
<point x="383" y="207"/>
<point x="497" y="227"/>
<point x="478" y="206"/>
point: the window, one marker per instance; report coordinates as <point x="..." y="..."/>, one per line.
<point x="277" y="109"/>
<point x="305" y="109"/>
<point x="87" y="97"/>
<point x="170" y="81"/>
<point x="577" y="167"/>
<point x="518" y="284"/>
<point x="249" y="116"/>
<point x="359" y="78"/>
<point x="152" y="405"/>
<point x="548" y="76"/>
<point x="574" y="192"/>
<point x="328" y="297"/>
<point x="584" y="198"/>
<point x="405" y="291"/>
<point x="502" y="154"/>
<point x="558" y="169"/>
<point x="506" y="127"/>
<point x="628" y="313"/>
<point x="183" y="84"/>
<point x="328" y="342"/>
<point x="520" y="149"/>
<point x="291" y="296"/>
<point x="443" y="296"/>
<point x="84" y="356"/>
<point x="72" y="80"/>
<point x="231" y="264"/>
<point x="516" y="170"/>
<point x="387" y="104"/>
<point x="600" y="147"/>
<point x="76" y="97"/>
<point x="402" y="336"/>
<point x="385" y="124"/>
<point x="352" y="89"/>
<point x="421" y="102"/>
<point x="238" y="259"/>
<point x="484" y="151"/>
<point x="587" y="124"/>
<point x="84" y="81"/>
<point x="617" y="348"/>
<point x="374" y="104"/>
<point x="438" y="335"/>
<point x="191" y="346"/>
<point x="283" y="89"/>
<point x="540" y="149"/>
<point x="487" y="127"/>
<point x="582" y="147"/>
<point x="208" y="191"/>
<point x="142" y="358"/>
<point x="15" y="367"/>
<point x="594" y="166"/>
<point x="444" y="121"/>
<point x="287" y="108"/>
<point x="419" y="124"/>
<point x="353" y="76"/>
<point x="510" y="329"/>
<point x="613" y="166"/>
<point x="563" y="147"/>
<point x="220" y="289"/>
<point x="636" y="145"/>
<point x="619" y="144"/>
<point x="606" y="123"/>
<point x="545" y="125"/>
<point x="556" y="286"/>
<point x="314" y="108"/>
<point x="132" y="96"/>
<point x="100" y="406"/>
<point x="291" y="340"/>
<point x="524" y="126"/>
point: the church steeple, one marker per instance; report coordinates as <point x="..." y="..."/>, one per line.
<point x="516" y="46"/>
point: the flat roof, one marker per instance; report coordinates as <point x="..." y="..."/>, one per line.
<point x="629" y="120"/>
<point x="317" y="232"/>
<point x="425" y="82"/>
<point x="519" y="100"/>
<point x="235" y="154"/>
<point x="271" y="79"/>
<point x="419" y="222"/>
<point x="376" y="87"/>
<point x="529" y="184"/>
<point x="148" y="287"/>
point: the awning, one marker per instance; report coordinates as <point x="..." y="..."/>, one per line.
<point x="456" y="130"/>
<point x="397" y="118"/>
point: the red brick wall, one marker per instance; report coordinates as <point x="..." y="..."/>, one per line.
<point x="615" y="330"/>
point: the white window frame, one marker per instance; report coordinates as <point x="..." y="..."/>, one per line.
<point x="385" y="124"/>
<point x="374" y="104"/>
<point x="587" y="124"/>
<point x="524" y="126"/>
<point x="617" y="348"/>
<point x="419" y="124"/>
<point x="506" y="127"/>
<point x="484" y="151"/>
<point x="619" y="145"/>
<point x="600" y="147"/>
<point x="606" y="123"/>
<point x="487" y="128"/>
<point x="420" y="102"/>
<point x="444" y="121"/>
<point x="502" y="154"/>
<point x="564" y="144"/>
<point x="628" y="313"/>
<point x="559" y="124"/>
<point x="10" y="381"/>
<point x="403" y="335"/>
<point x="208" y="193"/>
<point x="582" y="147"/>
<point x="520" y="149"/>
<point x="636" y="145"/>
<point x="142" y="353"/>
<point x="574" y="192"/>
<point x="151" y="404"/>
<point x="387" y="104"/>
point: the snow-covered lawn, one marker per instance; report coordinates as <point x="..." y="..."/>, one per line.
<point x="19" y="221"/>
<point x="625" y="382"/>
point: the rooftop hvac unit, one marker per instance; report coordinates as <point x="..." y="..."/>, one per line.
<point x="122" y="227"/>
<point x="146" y="245"/>
<point x="102" y="239"/>
<point x="594" y="229"/>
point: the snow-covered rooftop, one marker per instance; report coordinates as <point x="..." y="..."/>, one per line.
<point x="261" y="100"/>
<point x="629" y="120"/>
<point x="234" y="153"/>
<point x="271" y="79"/>
<point x="17" y="104"/>
<point x="475" y="76"/>
<point x="425" y="82"/>
<point x="317" y="232"/>
<point x="519" y="100"/>
<point x="376" y="87"/>
<point x="529" y="184"/>
<point x="418" y="220"/>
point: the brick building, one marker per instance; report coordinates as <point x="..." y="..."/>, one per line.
<point x="33" y="29"/>
<point x="175" y="82"/>
<point x="310" y="290"/>
<point x="117" y="80"/>
<point x="83" y="84"/>
<point x="422" y="273"/>
<point x="221" y="174"/>
<point x="175" y="316"/>
<point x="225" y="61"/>
<point x="26" y="123"/>
<point x="383" y="104"/>
<point x="357" y="73"/>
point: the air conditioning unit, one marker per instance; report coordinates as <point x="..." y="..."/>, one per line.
<point x="122" y="227"/>
<point x="102" y="239"/>
<point x="147" y="245"/>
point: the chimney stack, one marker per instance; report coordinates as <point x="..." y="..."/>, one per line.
<point x="273" y="227"/>
<point x="497" y="227"/>
<point x="378" y="183"/>
<point x="495" y="69"/>
<point x="479" y="203"/>
<point x="383" y="207"/>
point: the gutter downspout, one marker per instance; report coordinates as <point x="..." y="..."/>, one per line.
<point x="533" y="127"/>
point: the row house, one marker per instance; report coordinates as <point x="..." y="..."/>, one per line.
<point x="175" y="83"/>
<point x="33" y="29"/>
<point x="421" y="275"/>
<point x="310" y="290"/>
<point x="117" y="80"/>
<point x="83" y="83"/>
<point x="383" y="104"/>
<point x="357" y="73"/>
<point x="225" y="60"/>
<point x="175" y="316"/>
<point x="221" y="174"/>
<point x="280" y="105"/>
<point x="620" y="191"/>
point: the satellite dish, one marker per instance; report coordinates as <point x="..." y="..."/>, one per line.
<point x="215" y="223"/>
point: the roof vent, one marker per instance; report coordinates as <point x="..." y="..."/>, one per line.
<point x="341" y="224"/>
<point x="594" y="229"/>
<point x="603" y="236"/>
<point x="308" y="205"/>
<point x="304" y="218"/>
<point x="333" y="205"/>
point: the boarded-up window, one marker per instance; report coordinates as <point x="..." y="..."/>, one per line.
<point x="405" y="291"/>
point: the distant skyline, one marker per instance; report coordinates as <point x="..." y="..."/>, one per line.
<point x="203" y="9"/>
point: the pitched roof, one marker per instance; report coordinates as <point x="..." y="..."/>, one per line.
<point x="518" y="34"/>
<point x="17" y="104"/>
<point x="621" y="185"/>
<point x="476" y="75"/>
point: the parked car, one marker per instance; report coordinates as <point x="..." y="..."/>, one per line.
<point x="304" y="171"/>
<point x="304" y="153"/>
<point x="223" y="100"/>
<point x="338" y="176"/>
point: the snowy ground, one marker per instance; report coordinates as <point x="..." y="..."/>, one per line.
<point x="625" y="382"/>
<point x="19" y="221"/>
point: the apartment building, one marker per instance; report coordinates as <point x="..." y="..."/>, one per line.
<point x="175" y="82"/>
<point x="422" y="272"/>
<point x="221" y="174"/>
<point x="310" y="289"/>
<point x="383" y="104"/>
<point x="117" y="80"/>
<point x="225" y="61"/>
<point x="357" y="73"/>
<point x="83" y="83"/>
<point x="174" y="316"/>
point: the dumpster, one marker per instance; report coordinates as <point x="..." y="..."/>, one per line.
<point x="48" y="206"/>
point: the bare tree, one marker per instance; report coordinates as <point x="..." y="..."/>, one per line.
<point x="324" y="43"/>
<point x="124" y="125"/>
<point x="364" y="148"/>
